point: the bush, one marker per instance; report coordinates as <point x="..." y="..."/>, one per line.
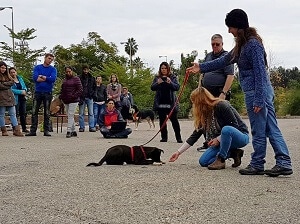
<point x="292" y="103"/>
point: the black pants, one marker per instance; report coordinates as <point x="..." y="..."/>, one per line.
<point x="125" y="112"/>
<point x="162" y="114"/>
<point x="216" y="91"/>
<point x="40" y="98"/>
<point x="21" y="112"/>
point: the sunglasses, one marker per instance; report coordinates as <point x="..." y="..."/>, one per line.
<point x="215" y="44"/>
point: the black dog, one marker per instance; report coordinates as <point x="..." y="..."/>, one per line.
<point x="138" y="115"/>
<point x="137" y="155"/>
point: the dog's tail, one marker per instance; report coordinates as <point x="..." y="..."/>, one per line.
<point x="99" y="163"/>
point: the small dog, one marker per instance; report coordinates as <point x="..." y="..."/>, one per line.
<point x="138" y="115"/>
<point x="56" y="106"/>
<point x="137" y="155"/>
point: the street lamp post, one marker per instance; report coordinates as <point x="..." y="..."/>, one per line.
<point x="161" y="56"/>
<point x="12" y="23"/>
<point x="130" y="54"/>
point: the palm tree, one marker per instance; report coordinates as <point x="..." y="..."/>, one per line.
<point x="131" y="48"/>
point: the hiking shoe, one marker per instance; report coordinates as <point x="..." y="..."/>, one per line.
<point x="218" y="164"/>
<point x="69" y="135"/>
<point x="278" y="170"/>
<point x="237" y="155"/>
<point x="249" y="170"/>
<point x="74" y="134"/>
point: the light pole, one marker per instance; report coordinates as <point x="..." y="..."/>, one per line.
<point x="12" y="23"/>
<point x="161" y="56"/>
<point x="130" y="54"/>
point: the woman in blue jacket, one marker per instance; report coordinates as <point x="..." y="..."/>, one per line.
<point x="250" y="56"/>
<point x="20" y="91"/>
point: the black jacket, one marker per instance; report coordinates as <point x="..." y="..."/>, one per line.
<point x="89" y="85"/>
<point x="100" y="93"/>
<point x="225" y="115"/>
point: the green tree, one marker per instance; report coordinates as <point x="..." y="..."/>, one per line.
<point x="22" y="57"/>
<point x="192" y="83"/>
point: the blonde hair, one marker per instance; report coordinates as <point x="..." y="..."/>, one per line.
<point x="203" y="106"/>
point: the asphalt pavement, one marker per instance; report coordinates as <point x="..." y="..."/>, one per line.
<point x="45" y="180"/>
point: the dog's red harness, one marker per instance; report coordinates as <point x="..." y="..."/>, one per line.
<point x="132" y="152"/>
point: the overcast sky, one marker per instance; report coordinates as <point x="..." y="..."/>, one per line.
<point x="160" y="27"/>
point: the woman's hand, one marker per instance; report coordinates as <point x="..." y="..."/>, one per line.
<point x="174" y="157"/>
<point x="194" y="69"/>
<point x="214" y="142"/>
<point x="159" y="81"/>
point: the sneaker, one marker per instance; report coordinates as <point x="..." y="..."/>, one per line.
<point x="25" y="131"/>
<point x="249" y="170"/>
<point x="92" y="130"/>
<point x="46" y="133"/>
<point x="30" y="134"/>
<point x="69" y="135"/>
<point x="278" y="170"/>
<point x="203" y="147"/>
<point x="81" y="129"/>
<point x="74" y="134"/>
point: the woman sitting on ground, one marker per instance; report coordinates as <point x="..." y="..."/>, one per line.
<point x="107" y="117"/>
<point x="224" y="128"/>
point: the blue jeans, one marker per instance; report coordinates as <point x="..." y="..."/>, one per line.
<point x="97" y="110"/>
<point x="12" y="115"/>
<point x="89" y="103"/>
<point x="263" y="125"/>
<point x="40" y="98"/>
<point x="231" y="139"/>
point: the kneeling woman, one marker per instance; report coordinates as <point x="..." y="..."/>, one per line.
<point x="109" y="115"/>
<point x="224" y="128"/>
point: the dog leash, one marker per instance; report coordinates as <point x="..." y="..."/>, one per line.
<point x="186" y="77"/>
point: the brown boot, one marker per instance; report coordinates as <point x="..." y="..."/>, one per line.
<point x="17" y="132"/>
<point x="218" y="164"/>
<point x="4" y="131"/>
<point x="237" y="157"/>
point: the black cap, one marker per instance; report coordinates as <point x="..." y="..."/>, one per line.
<point x="237" y="18"/>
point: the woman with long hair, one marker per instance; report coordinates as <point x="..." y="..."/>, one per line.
<point x="165" y="84"/>
<point x="20" y="91"/>
<point x="250" y="56"/>
<point x="114" y="91"/>
<point x="225" y="131"/>
<point x="7" y="101"/>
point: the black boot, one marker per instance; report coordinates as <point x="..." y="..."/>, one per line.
<point x="237" y="155"/>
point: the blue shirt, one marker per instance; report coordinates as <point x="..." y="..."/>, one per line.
<point x="50" y="73"/>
